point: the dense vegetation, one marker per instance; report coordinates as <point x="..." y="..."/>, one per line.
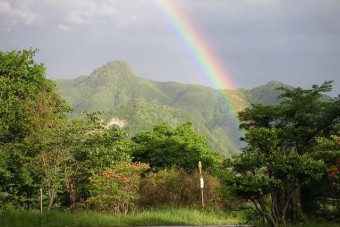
<point x="288" y="168"/>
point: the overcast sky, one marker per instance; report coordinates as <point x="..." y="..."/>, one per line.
<point x="294" y="41"/>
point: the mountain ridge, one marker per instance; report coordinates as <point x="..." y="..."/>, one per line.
<point x="114" y="89"/>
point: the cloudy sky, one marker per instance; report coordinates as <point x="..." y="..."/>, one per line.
<point x="294" y="41"/>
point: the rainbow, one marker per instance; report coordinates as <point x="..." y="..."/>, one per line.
<point x="200" y="52"/>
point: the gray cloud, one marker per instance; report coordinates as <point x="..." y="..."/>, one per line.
<point x="296" y="42"/>
<point x="13" y="13"/>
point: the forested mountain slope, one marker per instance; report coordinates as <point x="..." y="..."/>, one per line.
<point x="140" y="103"/>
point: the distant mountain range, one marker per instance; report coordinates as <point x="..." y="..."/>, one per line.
<point x="138" y="104"/>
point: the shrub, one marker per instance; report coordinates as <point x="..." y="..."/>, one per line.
<point x="116" y="190"/>
<point x="176" y="188"/>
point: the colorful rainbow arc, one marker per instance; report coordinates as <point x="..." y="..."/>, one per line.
<point x="200" y="51"/>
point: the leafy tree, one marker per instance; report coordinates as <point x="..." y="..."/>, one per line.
<point x="262" y="172"/>
<point x="279" y="141"/>
<point x="166" y="147"/>
<point x="88" y="148"/>
<point x="302" y="116"/>
<point x="29" y="109"/>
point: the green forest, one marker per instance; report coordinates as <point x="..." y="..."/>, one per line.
<point x="59" y="152"/>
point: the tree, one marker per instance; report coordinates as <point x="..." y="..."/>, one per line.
<point x="302" y="115"/>
<point x="88" y="148"/>
<point x="29" y="109"/>
<point x="282" y="136"/>
<point x="268" y="178"/>
<point x="166" y="147"/>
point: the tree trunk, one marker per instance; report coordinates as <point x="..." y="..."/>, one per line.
<point x="50" y="198"/>
<point x="288" y="207"/>
<point x="260" y="206"/>
<point x="72" y="191"/>
<point x="28" y="201"/>
<point x="294" y="211"/>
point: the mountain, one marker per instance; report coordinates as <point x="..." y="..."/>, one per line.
<point x="266" y="94"/>
<point x="138" y="104"/>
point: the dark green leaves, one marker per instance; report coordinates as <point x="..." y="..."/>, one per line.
<point x="164" y="147"/>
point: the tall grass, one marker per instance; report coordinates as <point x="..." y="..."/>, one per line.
<point x="145" y="218"/>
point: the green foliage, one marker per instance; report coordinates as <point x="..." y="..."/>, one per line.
<point x="17" y="71"/>
<point x="263" y="162"/>
<point x="326" y="191"/>
<point x="253" y="187"/>
<point x="22" y="83"/>
<point x="166" y="147"/>
<point x="262" y="139"/>
<point x="258" y="116"/>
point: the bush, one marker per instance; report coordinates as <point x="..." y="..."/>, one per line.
<point x="176" y="188"/>
<point x="116" y="191"/>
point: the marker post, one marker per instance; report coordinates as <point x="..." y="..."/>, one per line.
<point x="201" y="183"/>
<point x="41" y="207"/>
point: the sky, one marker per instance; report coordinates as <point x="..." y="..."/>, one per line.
<point x="294" y="41"/>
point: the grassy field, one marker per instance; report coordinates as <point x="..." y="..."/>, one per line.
<point x="145" y="218"/>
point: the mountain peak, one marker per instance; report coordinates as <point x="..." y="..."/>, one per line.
<point x="113" y="70"/>
<point x="274" y="83"/>
<point x="117" y="65"/>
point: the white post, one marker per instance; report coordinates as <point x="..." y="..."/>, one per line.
<point x="41" y="201"/>
<point x="201" y="183"/>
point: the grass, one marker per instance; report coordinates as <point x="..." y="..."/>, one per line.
<point x="145" y="218"/>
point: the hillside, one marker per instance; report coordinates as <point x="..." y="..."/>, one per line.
<point x="140" y="103"/>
